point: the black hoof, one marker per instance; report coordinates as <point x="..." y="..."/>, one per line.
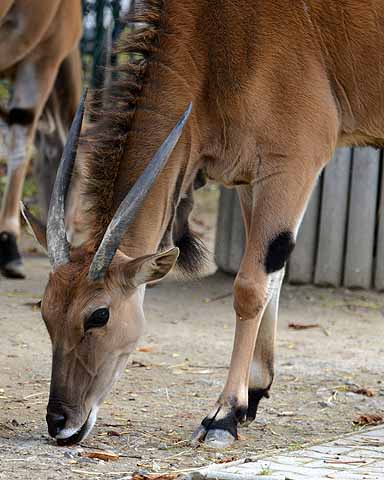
<point x="11" y="265"/>
<point x="219" y="431"/>
<point x="213" y="438"/>
<point x="254" y="397"/>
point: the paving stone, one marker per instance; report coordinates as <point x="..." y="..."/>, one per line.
<point x="329" y="449"/>
<point x="292" y="460"/>
<point x="378" y="433"/>
<point x="337" y="466"/>
<point x="354" y="476"/>
<point x="368" y="454"/>
<point x="316" y="463"/>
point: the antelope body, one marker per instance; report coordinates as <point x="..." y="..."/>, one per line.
<point x="275" y="87"/>
<point x="39" y="53"/>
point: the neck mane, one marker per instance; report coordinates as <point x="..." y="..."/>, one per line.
<point x="148" y="95"/>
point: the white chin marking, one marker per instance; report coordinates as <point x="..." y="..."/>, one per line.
<point x="66" y="433"/>
<point x="69" y="432"/>
<point x="91" y="422"/>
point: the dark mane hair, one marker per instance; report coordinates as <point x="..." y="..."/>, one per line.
<point x="107" y="137"/>
<point x="105" y="140"/>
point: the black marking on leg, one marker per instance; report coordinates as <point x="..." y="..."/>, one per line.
<point x="254" y="397"/>
<point x="279" y="250"/>
<point x="228" y="423"/>
<point x="21" y="116"/>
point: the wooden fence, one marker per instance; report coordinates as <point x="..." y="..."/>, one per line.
<point x="341" y="239"/>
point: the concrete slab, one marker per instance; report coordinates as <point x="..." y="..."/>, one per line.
<point x="346" y="458"/>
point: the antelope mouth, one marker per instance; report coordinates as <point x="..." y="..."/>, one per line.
<point x="71" y="436"/>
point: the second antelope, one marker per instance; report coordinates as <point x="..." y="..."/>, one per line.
<point x="275" y="87"/>
<point x="40" y="55"/>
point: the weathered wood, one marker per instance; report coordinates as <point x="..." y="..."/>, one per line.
<point x="301" y="264"/>
<point x="237" y="246"/>
<point x="333" y="220"/>
<point x="362" y="218"/>
<point x="224" y="228"/>
<point x="379" y="273"/>
<point x="230" y="237"/>
<point x="336" y="242"/>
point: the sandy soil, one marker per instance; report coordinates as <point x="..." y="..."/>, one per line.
<point x="166" y="391"/>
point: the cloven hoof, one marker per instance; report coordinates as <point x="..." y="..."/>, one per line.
<point x="11" y="264"/>
<point x="216" y="438"/>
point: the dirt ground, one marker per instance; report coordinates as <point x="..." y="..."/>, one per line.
<point x="170" y="386"/>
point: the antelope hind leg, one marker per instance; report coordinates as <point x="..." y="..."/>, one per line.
<point x="34" y="80"/>
<point x="17" y="145"/>
<point x="262" y="369"/>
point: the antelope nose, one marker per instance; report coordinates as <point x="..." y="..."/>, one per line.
<point x="56" y="423"/>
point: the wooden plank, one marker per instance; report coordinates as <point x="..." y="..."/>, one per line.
<point x="224" y="228"/>
<point x="237" y="244"/>
<point x="333" y="220"/>
<point x="362" y="218"/>
<point x="379" y="274"/>
<point x="301" y="263"/>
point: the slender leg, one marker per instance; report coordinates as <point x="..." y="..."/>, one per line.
<point x="272" y="210"/>
<point x="262" y="369"/>
<point x="10" y="260"/>
<point x="33" y="84"/>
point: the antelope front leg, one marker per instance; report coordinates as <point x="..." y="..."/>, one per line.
<point x="219" y="428"/>
<point x="272" y="211"/>
<point x="262" y="368"/>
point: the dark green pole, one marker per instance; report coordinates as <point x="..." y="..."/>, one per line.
<point x="98" y="60"/>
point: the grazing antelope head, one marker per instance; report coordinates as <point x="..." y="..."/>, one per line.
<point x="93" y="303"/>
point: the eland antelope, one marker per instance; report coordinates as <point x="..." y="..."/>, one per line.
<point x="275" y="86"/>
<point x="39" y="54"/>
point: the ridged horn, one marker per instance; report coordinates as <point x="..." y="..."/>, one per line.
<point x="128" y="208"/>
<point x="57" y="243"/>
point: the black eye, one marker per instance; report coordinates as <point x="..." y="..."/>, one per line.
<point x="97" y="319"/>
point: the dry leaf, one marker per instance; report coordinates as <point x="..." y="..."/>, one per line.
<point x="302" y="326"/>
<point x="146" y="349"/>
<point x="35" y="306"/>
<point x="368" y="392"/>
<point x="227" y="460"/>
<point x="369" y="419"/>
<point x="166" y="476"/>
<point x="135" y="363"/>
<point x="101" y="455"/>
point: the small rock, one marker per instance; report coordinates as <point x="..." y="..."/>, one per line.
<point x="87" y="460"/>
<point x="261" y="421"/>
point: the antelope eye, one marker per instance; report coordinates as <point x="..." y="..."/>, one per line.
<point x="97" y="319"/>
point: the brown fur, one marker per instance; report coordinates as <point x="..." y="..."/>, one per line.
<point x="107" y="139"/>
<point x="275" y="86"/>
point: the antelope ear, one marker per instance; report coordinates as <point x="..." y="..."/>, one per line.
<point x="37" y="228"/>
<point x="150" y="268"/>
